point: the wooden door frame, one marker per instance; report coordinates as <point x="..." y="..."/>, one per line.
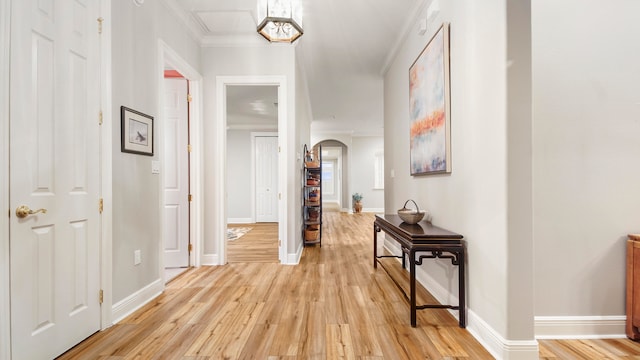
<point x="196" y="174"/>
<point x="254" y="195"/>
<point x="220" y="159"/>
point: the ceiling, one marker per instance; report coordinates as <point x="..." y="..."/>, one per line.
<point x="344" y="52"/>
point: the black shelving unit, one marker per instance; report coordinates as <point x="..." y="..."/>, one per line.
<point x="311" y="196"/>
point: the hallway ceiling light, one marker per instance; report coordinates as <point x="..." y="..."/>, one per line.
<point x="280" y="20"/>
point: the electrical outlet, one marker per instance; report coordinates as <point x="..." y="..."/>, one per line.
<point x="137" y="257"/>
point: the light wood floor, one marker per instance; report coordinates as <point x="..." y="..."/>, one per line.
<point x="332" y="305"/>
<point x="258" y="245"/>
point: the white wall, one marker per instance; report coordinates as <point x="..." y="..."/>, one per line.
<point x="473" y="199"/>
<point x="239" y="173"/>
<point x="363" y="150"/>
<point x="303" y="119"/>
<point x="246" y="61"/>
<point x="136" y="192"/>
<point x="586" y="121"/>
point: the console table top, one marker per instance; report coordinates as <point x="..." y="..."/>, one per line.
<point x="421" y="231"/>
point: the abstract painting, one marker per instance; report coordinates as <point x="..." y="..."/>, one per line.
<point x="429" y="107"/>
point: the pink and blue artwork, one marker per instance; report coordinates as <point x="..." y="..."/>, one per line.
<point x="429" y="107"/>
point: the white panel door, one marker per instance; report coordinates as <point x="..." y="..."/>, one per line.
<point x="176" y="174"/>
<point x="55" y="165"/>
<point x="266" y="162"/>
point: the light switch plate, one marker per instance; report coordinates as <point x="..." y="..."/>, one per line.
<point x="155" y="167"/>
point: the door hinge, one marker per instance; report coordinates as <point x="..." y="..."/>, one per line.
<point x="101" y="296"/>
<point x="190" y="198"/>
<point x="100" y="20"/>
<point x="100" y="117"/>
<point x="190" y="247"/>
<point x="189" y="148"/>
<point x="279" y="242"/>
<point x="279" y="149"/>
<point x="279" y="196"/>
<point x="189" y="98"/>
<point x="101" y="205"/>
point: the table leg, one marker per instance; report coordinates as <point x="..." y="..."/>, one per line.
<point x="462" y="312"/>
<point x="412" y="285"/>
<point x="375" y="246"/>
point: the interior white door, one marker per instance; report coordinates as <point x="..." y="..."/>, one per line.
<point x="54" y="165"/>
<point x="176" y="174"/>
<point x="266" y="163"/>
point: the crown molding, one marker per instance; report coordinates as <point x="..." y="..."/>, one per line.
<point x="193" y="28"/>
<point x="417" y="10"/>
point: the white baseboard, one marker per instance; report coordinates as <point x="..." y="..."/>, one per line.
<point x="240" y="221"/>
<point x="373" y="210"/>
<point x="210" y="260"/>
<point x="580" y="327"/>
<point x="294" y="259"/>
<point x="498" y="346"/>
<point x="135" y="301"/>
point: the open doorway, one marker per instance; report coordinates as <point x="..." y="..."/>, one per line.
<point x="337" y="153"/>
<point x="331" y="179"/>
<point x="252" y="173"/>
<point x="180" y="165"/>
<point x="175" y="165"/>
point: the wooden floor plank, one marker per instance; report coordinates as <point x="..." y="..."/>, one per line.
<point x="332" y="305"/>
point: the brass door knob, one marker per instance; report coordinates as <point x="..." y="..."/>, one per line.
<point x="23" y="211"/>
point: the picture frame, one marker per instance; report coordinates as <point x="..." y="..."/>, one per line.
<point x="430" y="107"/>
<point x="136" y="132"/>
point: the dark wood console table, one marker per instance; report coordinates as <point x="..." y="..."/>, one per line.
<point x="423" y="237"/>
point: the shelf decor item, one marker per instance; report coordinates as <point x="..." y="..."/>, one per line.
<point x="411" y="216"/>
<point x="429" y="107"/>
<point x="357" y="205"/>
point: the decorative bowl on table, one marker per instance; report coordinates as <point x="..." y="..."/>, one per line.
<point x="411" y="216"/>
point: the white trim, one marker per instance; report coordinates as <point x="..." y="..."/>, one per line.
<point x="373" y="210"/>
<point x="254" y="127"/>
<point x="294" y="259"/>
<point x="106" y="164"/>
<point x="220" y="160"/>
<point x="193" y="28"/>
<point x="135" y="301"/>
<point x="402" y="36"/>
<point x="196" y="177"/>
<point x="209" y="260"/>
<point x="240" y="221"/>
<point x="498" y="346"/>
<point x="5" y="279"/>
<point x="580" y="327"/>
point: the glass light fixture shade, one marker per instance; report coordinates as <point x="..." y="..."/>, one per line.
<point x="280" y="20"/>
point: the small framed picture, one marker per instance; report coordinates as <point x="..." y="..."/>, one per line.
<point x="137" y="132"/>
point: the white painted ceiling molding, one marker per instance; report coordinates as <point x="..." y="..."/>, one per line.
<point x="408" y="25"/>
<point x="193" y="29"/>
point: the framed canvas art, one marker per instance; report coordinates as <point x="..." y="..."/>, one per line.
<point x="429" y="107"/>
<point x="137" y="132"/>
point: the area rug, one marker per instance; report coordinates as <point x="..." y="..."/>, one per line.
<point x="237" y="232"/>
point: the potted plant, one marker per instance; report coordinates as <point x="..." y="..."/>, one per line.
<point x="357" y="205"/>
